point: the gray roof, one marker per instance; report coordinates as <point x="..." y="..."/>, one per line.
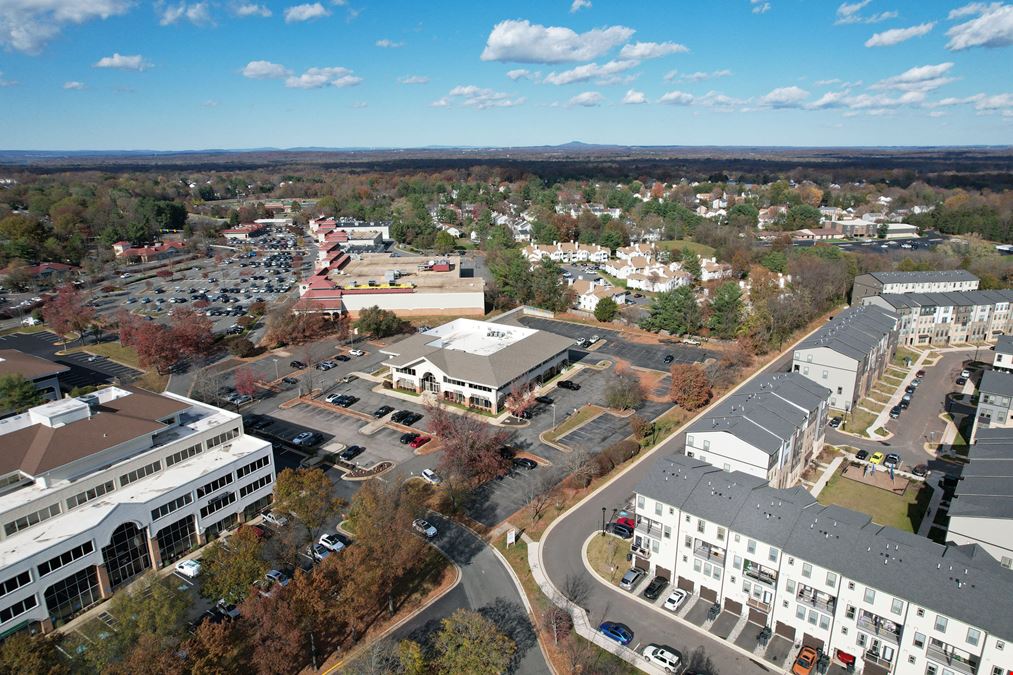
<point x="922" y="277"/>
<point x="985" y="489"/>
<point x="855" y="332"/>
<point x="994" y="382"/>
<point x="947" y="299"/>
<point x="1004" y="344"/>
<point x="495" y="370"/>
<point x="961" y="582"/>
<point x="765" y="412"/>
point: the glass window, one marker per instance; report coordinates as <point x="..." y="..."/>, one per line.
<point x="750" y="546"/>
<point x="15" y="582"/>
<point x="700" y="526"/>
<point x="800" y="612"/>
<point x="790" y="586"/>
<point x="870" y="595"/>
<point x="737" y="562"/>
<point x="941" y="622"/>
<point x="657" y="508"/>
<point x="824" y="621"/>
<point x="68" y="597"/>
<point x="688" y="541"/>
<point x="772" y="556"/>
<point x="919" y="640"/>
<point x="831" y="579"/>
<point x="807" y="570"/>
<point x="640" y="501"/>
<point x="697" y="565"/>
<point x="973" y="635"/>
<point x="18" y="608"/>
<point x="668" y="532"/>
<point x="849" y="612"/>
<point x="717" y="573"/>
<point x="176" y="539"/>
<point x="721" y="534"/>
<point x="896" y="606"/>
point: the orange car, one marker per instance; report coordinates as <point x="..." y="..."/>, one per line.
<point x="805" y="662"/>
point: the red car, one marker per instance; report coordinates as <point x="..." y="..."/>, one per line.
<point x="628" y="522"/>
<point x="420" y="441"/>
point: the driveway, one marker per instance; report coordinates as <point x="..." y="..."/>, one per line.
<point x="485" y="587"/>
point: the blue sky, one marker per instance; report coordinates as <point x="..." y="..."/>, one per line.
<point x="128" y="74"/>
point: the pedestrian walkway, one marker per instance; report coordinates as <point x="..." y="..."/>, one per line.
<point x="827" y="474"/>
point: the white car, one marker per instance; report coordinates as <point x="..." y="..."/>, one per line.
<point x="965" y="373"/>
<point x="675" y="599"/>
<point x="331" y="542"/>
<point x="30" y="321"/>
<point x="423" y="527"/>
<point x="276" y="519"/>
<point x="126" y="275"/>
<point x="278" y="577"/>
<point x="667" y="657"/>
<point x="431" y="477"/>
<point x="188" y="568"/>
<point x="356" y="352"/>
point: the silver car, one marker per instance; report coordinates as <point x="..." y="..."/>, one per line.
<point x="631" y="579"/>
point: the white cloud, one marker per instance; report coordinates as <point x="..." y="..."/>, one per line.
<point x="315" y="78"/>
<point x="881" y="101"/>
<point x="760" y="7"/>
<point x="524" y="42"/>
<point x="198" y="13"/>
<point x="831" y="99"/>
<point x="997" y="102"/>
<point x="920" y="78"/>
<point x="699" y="76"/>
<point x="851" y="13"/>
<point x="676" y="98"/>
<point x="719" y="101"/>
<point x="27" y="25"/>
<point x="578" y="5"/>
<point x="784" y="97"/>
<point x="306" y="12"/>
<point x="5" y="82"/>
<point x="413" y="79"/>
<point x="587" y="99"/>
<point x="651" y="50"/>
<point x="480" y="98"/>
<point x="388" y="44"/>
<point x="121" y="62"/>
<point x="590" y="71"/>
<point x="74" y="85"/>
<point x="520" y="74"/>
<point x="836" y="80"/>
<point x="252" y="9"/>
<point x="895" y="36"/>
<point x="210" y="103"/>
<point x="634" y="97"/>
<point x="993" y="26"/>
<point x="264" y="70"/>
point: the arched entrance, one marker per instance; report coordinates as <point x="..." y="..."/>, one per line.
<point x="429" y="383"/>
<point x="126" y="556"/>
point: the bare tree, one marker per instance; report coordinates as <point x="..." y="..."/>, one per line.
<point x="207" y="385"/>
<point x="580" y="466"/>
<point x="576" y="589"/>
<point x="557" y="621"/>
<point x="538" y="493"/>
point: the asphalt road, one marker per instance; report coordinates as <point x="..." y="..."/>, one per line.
<point x="485" y="587"/>
<point x="561" y="559"/>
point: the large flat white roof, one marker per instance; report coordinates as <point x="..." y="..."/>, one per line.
<point x="481" y="338"/>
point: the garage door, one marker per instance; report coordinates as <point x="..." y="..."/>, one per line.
<point x="708" y="594"/>
<point x="685" y="584"/>
<point x="733" y="607"/>
<point x="757" y="617"/>
<point x="785" y="630"/>
<point x="660" y="571"/>
<point x="810" y="641"/>
<point x="875" y="669"/>
<point x="641" y="564"/>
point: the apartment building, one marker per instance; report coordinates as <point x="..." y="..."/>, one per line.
<point x="567" y="252"/>
<point x="981" y="511"/>
<point x="939" y="281"/>
<point x="1003" y="359"/>
<point x="771" y="428"/>
<point x="849" y="353"/>
<point x="100" y="488"/>
<point x="881" y="599"/>
<point x="945" y="318"/>
<point x="995" y="400"/>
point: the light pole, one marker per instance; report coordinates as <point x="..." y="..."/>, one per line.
<point x="276" y="376"/>
<point x="553" y="415"/>
<point x="603" y="521"/>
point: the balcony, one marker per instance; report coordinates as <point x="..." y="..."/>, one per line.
<point x="648" y="527"/>
<point x="816" y="599"/>
<point x="641" y="551"/>
<point x="880" y="627"/>
<point x="758" y="604"/>
<point x="708" y="552"/>
<point x="876" y="658"/>
<point x="764" y="575"/>
<point x="955" y="659"/>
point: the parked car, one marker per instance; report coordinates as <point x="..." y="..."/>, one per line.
<point x="289" y="380"/>
<point x="419" y="442"/>
<point x="431" y="477"/>
<point x="568" y="384"/>
<point x="877" y="458"/>
<point x="333" y="398"/>
<point x="412" y="418"/>
<point x="616" y="631"/>
<point x="921" y="470"/>
<point x="332" y="542"/>
<point x="326" y="365"/>
<point x="805" y="662"/>
<point x="965" y="373"/>
<point x="382" y="411"/>
<point x="188" y="568"/>
<point x="631" y="578"/>
<point x="351" y="452"/>
<point x="277" y="577"/>
<point x="622" y="531"/>
<point x="961" y="381"/>
<point x="835" y="422"/>
<point x="691" y="341"/>
<point x="895" y="411"/>
<point x="275" y="518"/>
<point x="627" y="521"/>
<point x="920" y="374"/>
<point x="356" y="352"/>
<point x="304" y="439"/>
<point x="862" y="454"/>
<point x="904" y="403"/>
<point x="348" y="378"/>
<point x="892" y="459"/>
<point x="425" y="528"/>
<point x="524" y="463"/>
<point x="669" y="358"/>
<point x="654" y="589"/>
<point x="318" y="552"/>
<point x="408" y="437"/>
<point x="342" y="358"/>
<point x="545" y="400"/>
<point x="675" y="599"/>
<point x="594" y="338"/>
<point x="906" y="397"/>
<point x="668" y="658"/>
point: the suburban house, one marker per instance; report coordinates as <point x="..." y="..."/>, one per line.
<point x="639" y="249"/>
<point x="771" y="428"/>
<point x="870" y="597"/>
<point x="100" y="488"/>
<point x="146" y="254"/>
<point x="941" y="281"/>
<point x="1003" y="359"/>
<point x="981" y="511"/>
<point x="849" y="353"/>
<point x="942" y="318"/>
<point x="51" y="273"/>
<point x="477" y="364"/>
<point x="712" y="270"/>
<point x="567" y="252"/>
<point x="587" y="293"/>
<point x="43" y="373"/>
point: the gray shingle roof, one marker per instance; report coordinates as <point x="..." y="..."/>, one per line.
<point x="922" y="277"/>
<point x="961" y="582"/>
<point x="948" y="299"/>
<point x="985" y="489"/>
<point x="855" y="332"/>
<point x="994" y="382"/>
<point x="1004" y="344"/>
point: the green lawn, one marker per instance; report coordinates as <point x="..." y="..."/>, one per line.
<point x="898" y="358"/>
<point x="615" y="281"/>
<point x="112" y="350"/>
<point x="701" y="250"/>
<point x="607" y="556"/>
<point x="905" y="512"/>
<point x="581" y="416"/>
<point x="858" y="421"/>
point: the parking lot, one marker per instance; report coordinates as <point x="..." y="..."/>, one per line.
<point x="639" y="354"/>
<point x="85" y="369"/>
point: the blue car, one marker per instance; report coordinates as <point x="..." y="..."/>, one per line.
<point x="616" y="631"/>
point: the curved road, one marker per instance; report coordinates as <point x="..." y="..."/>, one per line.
<point x="485" y="587"/>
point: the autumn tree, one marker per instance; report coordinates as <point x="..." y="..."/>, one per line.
<point x="191" y="333"/>
<point x="557" y="622"/>
<point x="690" y="387"/>
<point x="378" y="322"/>
<point x="520" y="398"/>
<point x="154" y="346"/>
<point x="624" y="390"/>
<point x="38" y="654"/>
<point x="244" y="381"/>
<point x="18" y="393"/>
<point x="470" y="446"/>
<point x="306" y="494"/>
<point x="228" y="573"/>
<point x="469" y="643"/>
<point x="68" y="312"/>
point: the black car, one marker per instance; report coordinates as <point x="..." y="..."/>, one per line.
<point x="411" y="419"/>
<point x="896" y="411"/>
<point x="401" y="416"/>
<point x="523" y="414"/>
<point x="903" y="405"/>
<point x="342" y="357"/>
<point x="382" y="411"/>
<point x="961" y="381"/>
<point x="524" y="463"/>
<point x="298" y="365"/>
<point x="351" y="452"/>
<point x="544" y="400"/>
<point x="619" y="530"/>
<point x="921" y="470"/>
<point x="408" y="437"/>
<point x="568" y="384"/>
<point x="348" y="400"/>
<point x="289" y="380"/>
<point x="669" y="358"/>
<point x="835" y="422"/>
<point x="654" y="589"/>
<point x="910" y="389"/>
<point x="862" y="454"/>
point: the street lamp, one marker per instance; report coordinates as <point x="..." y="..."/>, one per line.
<point x="553" y="415"/>
<point x="276" y="376"/>
<point x="603" y="521"/>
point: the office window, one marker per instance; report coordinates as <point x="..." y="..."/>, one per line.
<point x="870" y="595"/>
<point x="657" y="508"/>
<point x="24" y="522"/>
<point x="941" y="622"/>
<point x="919" y="640"/>
<point x="253" y="466"/>
<point x="973" y="635"/>
<point x="700" y="526"/>
<point x="14" y="583"/>
<point x="184" y="454"/>
<point x="214" y="486"/>
<point x="831" y="579"/>
<point x="772" y="556"/>
<point x="790" y="586"/>
<point x="65" y="558"/>
<point x="750" y="546"/>
<point x="88" y="495"/>
<point x="896" y="606"/>
<point x="807" y="570"/>
<point x="176" y="504"/>
<point x="18" y="608"/>
<point x="721" y="534"/>
<point x="218" y="503"/>
<point x="137" y="474"/>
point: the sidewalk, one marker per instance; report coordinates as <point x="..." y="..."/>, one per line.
<point x="884" y="415"/>
<point x="828" y="473"/>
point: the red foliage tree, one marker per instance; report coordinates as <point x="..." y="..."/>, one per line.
<point x="691" y="388"/>
<point x="470" y="446"/>
<point x="128" y="324"/>
<point x="244" y="381"/>
<point x="191" y="333"/>
<point x="68" y="311"/>
<point x="521" y="398"/>
<point x="154" y="345"/>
